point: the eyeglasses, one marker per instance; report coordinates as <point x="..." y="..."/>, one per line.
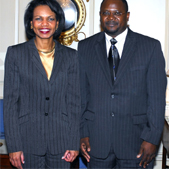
<point x="115" y="14"/>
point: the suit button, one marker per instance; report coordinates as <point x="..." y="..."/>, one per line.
<point x="47" y="98"/>
<point x="112" y="114"/>
<point x="46" y="114"/>
<point x="112" y="96"/>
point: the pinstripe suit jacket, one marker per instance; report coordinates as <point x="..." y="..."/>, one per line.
<point x="41" y="115"/>
<point x="130" y="111"/>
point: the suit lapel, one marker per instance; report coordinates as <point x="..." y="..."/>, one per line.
<point x="35" y="58"/>
<point x="127" y="55"/>
<point x="101" y="56"/>
<point x="37" y="61"/>
<point x="58" y="58"/>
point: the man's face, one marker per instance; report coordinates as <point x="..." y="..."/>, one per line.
<point x="113" y="17"/>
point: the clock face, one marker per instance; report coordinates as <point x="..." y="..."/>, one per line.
<point x="71" y="13"/>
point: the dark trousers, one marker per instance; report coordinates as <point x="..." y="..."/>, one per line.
<point x="45" y="161"/>
<point x="111" y="162"/>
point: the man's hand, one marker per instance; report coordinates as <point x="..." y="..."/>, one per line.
<point x="148" y="152"/>
<point x="70" y="155"/>
<point x="16" y="159"/>
<point x="85" y="147"/>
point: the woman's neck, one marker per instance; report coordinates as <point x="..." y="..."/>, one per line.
<point x="45" y="45"/>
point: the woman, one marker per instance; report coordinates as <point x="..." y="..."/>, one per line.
<point x="41" y="93"/>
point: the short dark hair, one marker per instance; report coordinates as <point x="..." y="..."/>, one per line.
<point x="124" y="1"/>
<point x="54" y="6"/>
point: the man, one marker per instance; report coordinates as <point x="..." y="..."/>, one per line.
<point x="123" y="103"/>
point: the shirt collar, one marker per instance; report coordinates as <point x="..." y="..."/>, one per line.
<point x="119" y="38"/>
<point x="120" y="42"/>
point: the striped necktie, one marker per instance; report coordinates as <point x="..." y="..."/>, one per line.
<point x="113" y="59"/>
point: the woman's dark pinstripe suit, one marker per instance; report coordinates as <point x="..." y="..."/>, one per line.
<point x="41" y="115"/>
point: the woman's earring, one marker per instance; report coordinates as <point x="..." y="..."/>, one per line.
<point x="31" y="27"/>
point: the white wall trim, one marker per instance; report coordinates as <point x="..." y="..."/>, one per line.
<point x="91" y="18"/>
<point x="16" y="21"/>
<point x="166" y="54"/>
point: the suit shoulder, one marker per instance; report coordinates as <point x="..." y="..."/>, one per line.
<point x="92" y="39"/>
<point x="14" y="49"/>
<point x="68" y="49"/>
<point x="69" y="54"/>
<point x="64" y="48"/>
<point x="14" y="52"/>
<point x="19" y="45"/>
<point x="146" y="38"/>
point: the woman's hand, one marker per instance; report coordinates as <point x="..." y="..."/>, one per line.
<point x="70" y="155"/>
<point x="16" y="159"/>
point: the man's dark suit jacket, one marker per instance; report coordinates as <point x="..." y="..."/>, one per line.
<point x="41" y="115"/>
<point x="130" y="111"/>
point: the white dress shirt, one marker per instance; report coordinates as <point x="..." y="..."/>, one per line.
<point x="120" y="42"/>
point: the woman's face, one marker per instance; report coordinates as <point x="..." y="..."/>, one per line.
<point x="44" y="22"/>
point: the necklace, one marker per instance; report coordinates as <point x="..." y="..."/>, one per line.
<point x="44" y="52"/>
<point x="47" y="54"/>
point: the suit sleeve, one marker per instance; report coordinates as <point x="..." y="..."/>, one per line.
<point x="73" y="101"/>
<point x="11" y="102"/>
<point x="84" y="89"/>
<point x="156" y="88"/>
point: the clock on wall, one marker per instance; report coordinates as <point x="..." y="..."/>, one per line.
<point x="75" y="16"/>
